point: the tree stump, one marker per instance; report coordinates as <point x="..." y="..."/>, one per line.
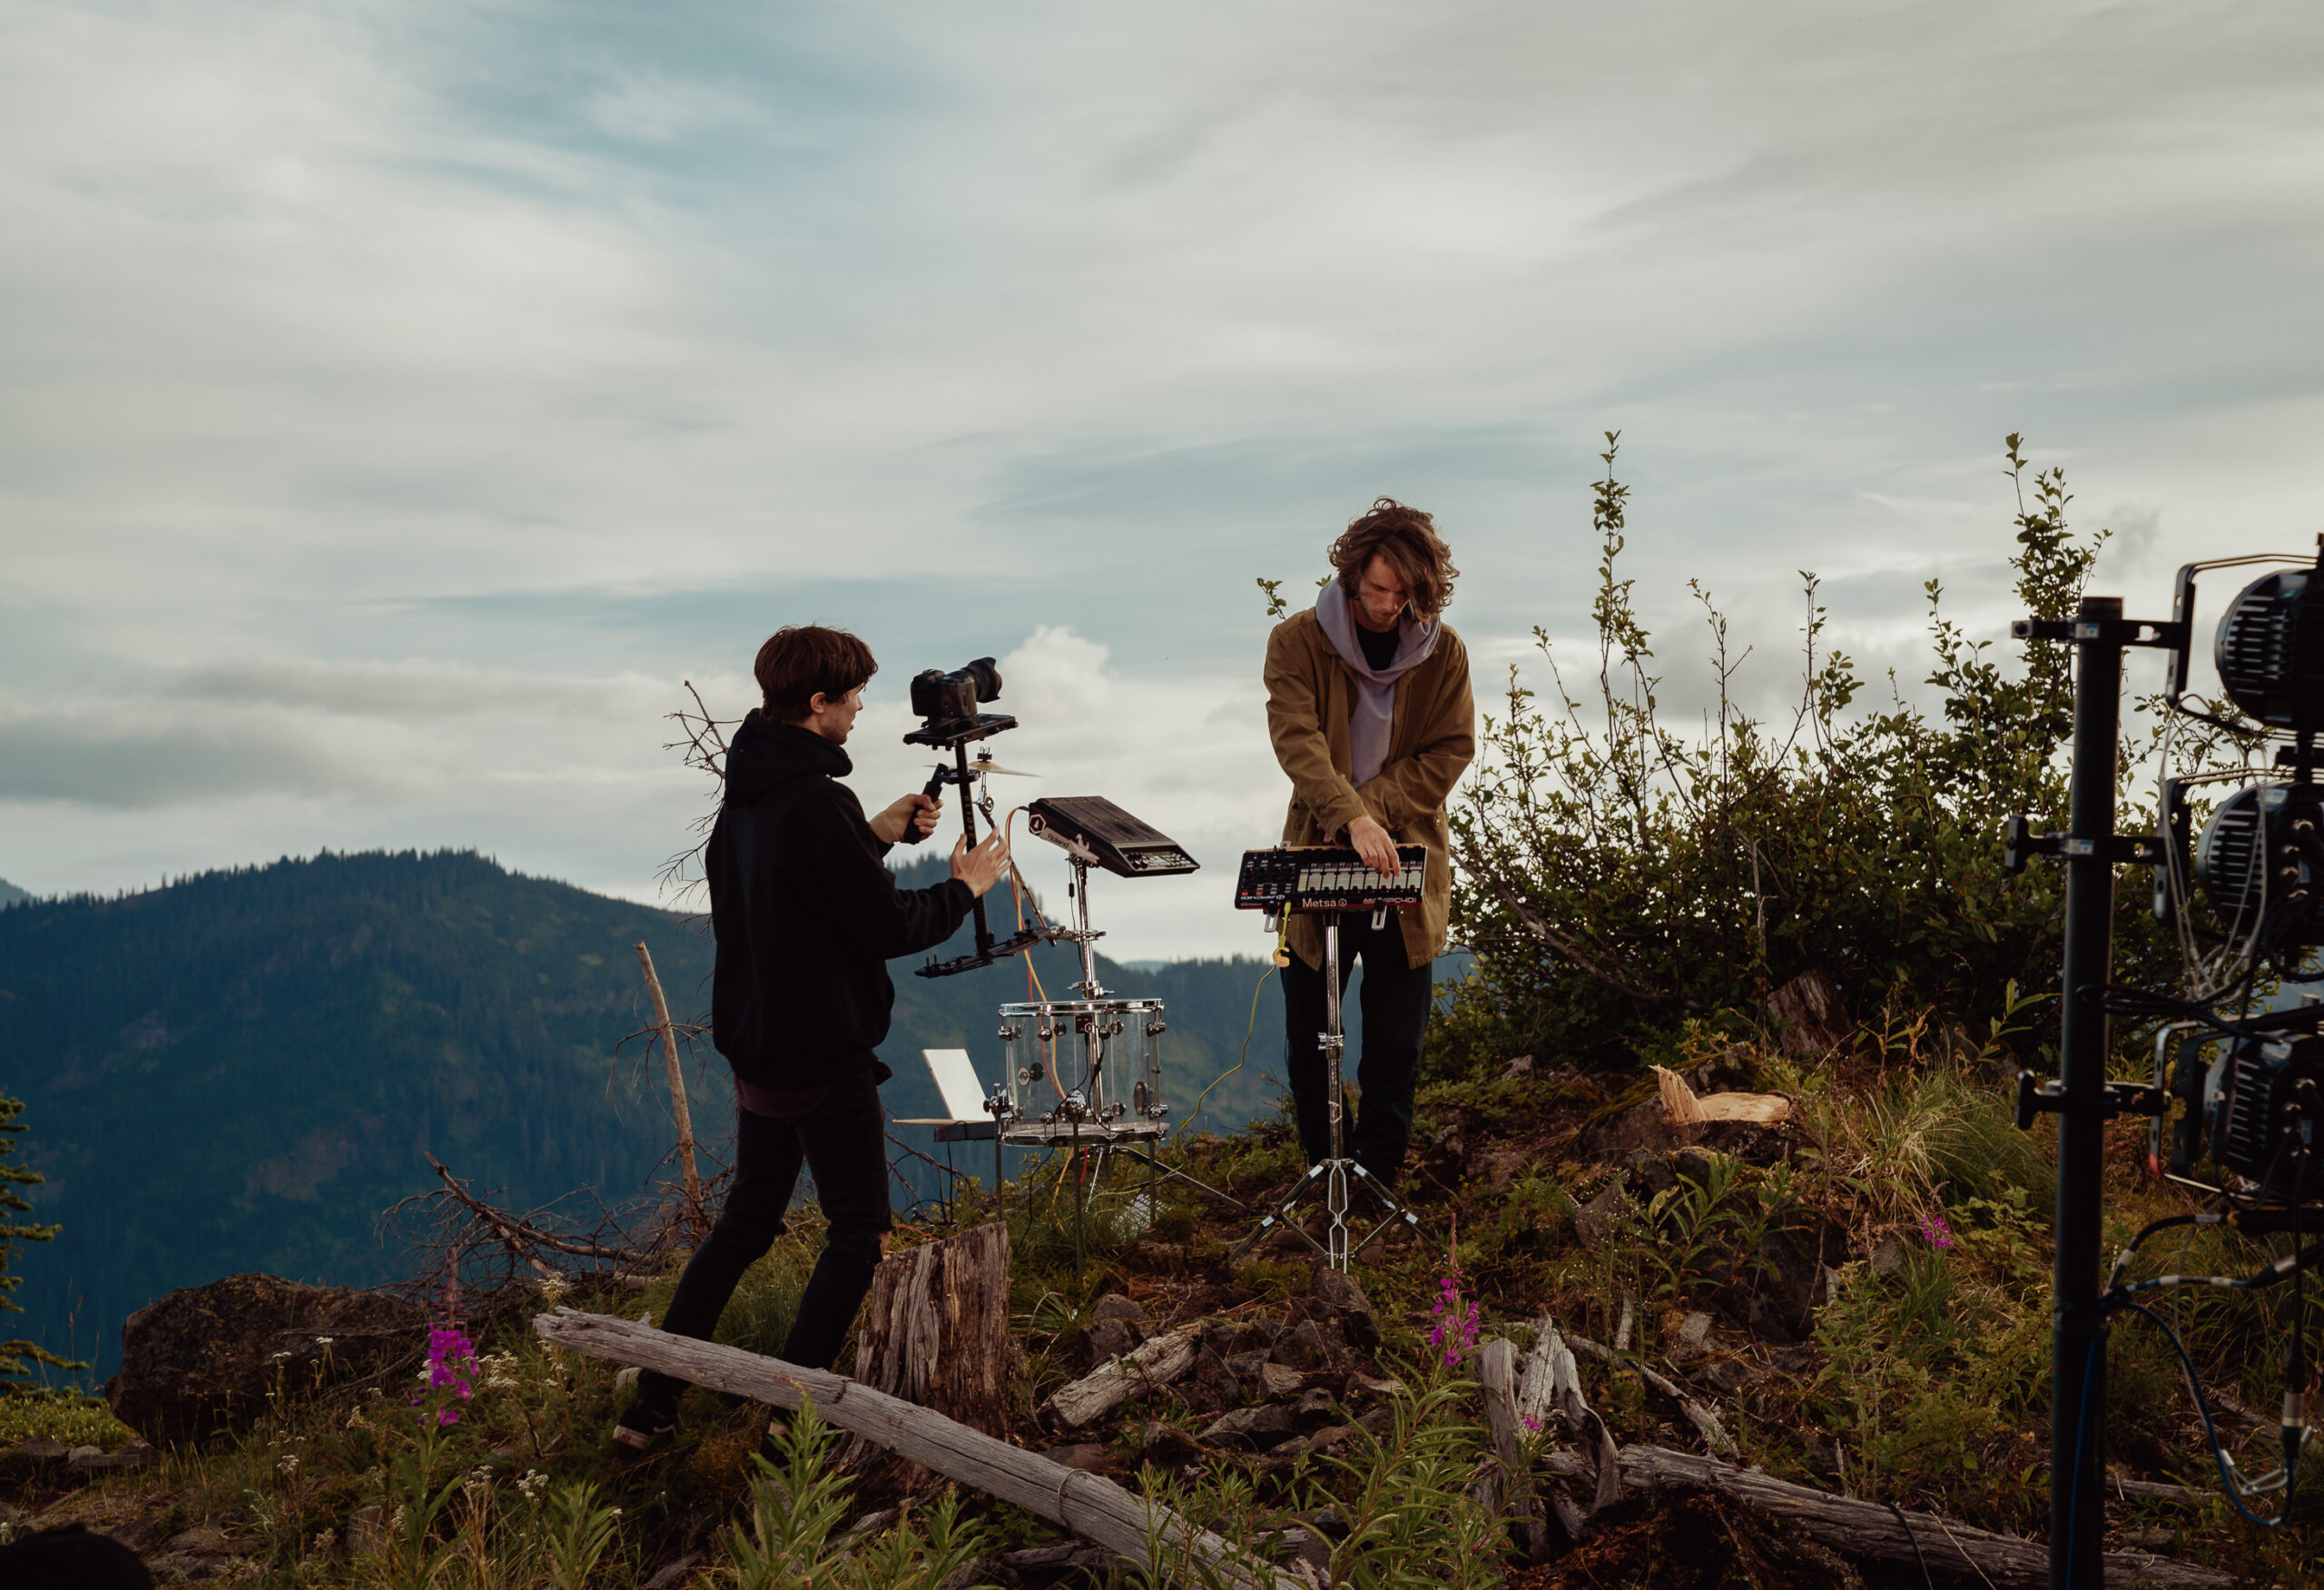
<point x="1808" y="1013"/>
<point x="935" y="1334"/>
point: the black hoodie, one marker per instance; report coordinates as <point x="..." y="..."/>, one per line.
<point x="806" y="914"/>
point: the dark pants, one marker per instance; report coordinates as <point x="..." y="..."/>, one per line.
<point x="844" y="1143"/>
<point x="1395" y="1001"/>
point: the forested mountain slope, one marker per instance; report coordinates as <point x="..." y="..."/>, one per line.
<point x="243" y="1070"/>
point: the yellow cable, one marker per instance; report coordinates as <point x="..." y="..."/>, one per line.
<point x="1280" y="958"/>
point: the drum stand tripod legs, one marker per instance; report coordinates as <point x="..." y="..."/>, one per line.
<point x="1336" y="1178"/>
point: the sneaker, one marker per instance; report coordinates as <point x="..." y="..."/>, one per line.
<point x="645" y="1426"/>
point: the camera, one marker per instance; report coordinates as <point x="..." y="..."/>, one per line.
<point x="939" y="697"/>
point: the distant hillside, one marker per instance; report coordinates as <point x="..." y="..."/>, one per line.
<point x="241" y="1071"/>
<point x="10" y="894"/>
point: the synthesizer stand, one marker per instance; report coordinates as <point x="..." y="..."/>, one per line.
<point x="1337" y="1178"/>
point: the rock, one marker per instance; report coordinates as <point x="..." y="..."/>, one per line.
<point x="1247" y="1366"/>
<point x="1299" y="1543"/>
<point x="201" y="1540"/>
<point x="1651" y="1173"/>
<point x="1107" y="1339"/>
<point x="1267" y="1329"/>
<point x="202" y="1360"/>
<point x="1693" y="1334"/>
<point x="1303" y="1346"/>
<point x="1692" y="1164"/>
<point x="1115" y="1306"/>
<point x="1594" y="1222"/>
<point x="1212" y="1374"/>
<point x="1370" y="1385"/>
<point x="1089" y="1456"/>
<point x="1723" y="1374"/>
<point x="1337" y="1290"/>
<point x="1502" y="1167"/>
<point x="96" y="1460"/>
<point x="1253" y="1427"/>
<point x="1520" y="1069"/>
<point x="1796" y="1361"/>
<point x="1169" y="1446"/>
<point x="1279" y="1380"/>
<point x="1316" y="1406"/>
<point x="1887" y="1257"/>
<point x="41" y="1449"/>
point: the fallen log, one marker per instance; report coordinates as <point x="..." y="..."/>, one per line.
<point x="1870" y="1529"/>
<point x="1074" y="1500"/>
<point x="1114" y="1382"/>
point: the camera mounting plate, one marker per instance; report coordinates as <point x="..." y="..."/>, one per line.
<point x="949" y="732"/>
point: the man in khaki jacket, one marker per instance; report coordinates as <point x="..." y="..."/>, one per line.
<point x="1369" y="708"/>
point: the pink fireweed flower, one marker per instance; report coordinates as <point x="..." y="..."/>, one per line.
<point x="1936" y="1233"/>
<point x="451" y="1368"/>
<point x="1455" y="1330"/>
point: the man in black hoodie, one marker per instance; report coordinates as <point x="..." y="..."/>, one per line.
<point x="806" y="916"/>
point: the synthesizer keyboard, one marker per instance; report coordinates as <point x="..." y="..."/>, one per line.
<point x="1325" y="878"/>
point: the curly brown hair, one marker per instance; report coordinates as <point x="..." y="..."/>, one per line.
<point x="1407" y="538"/>
<point x="802" y="660"/>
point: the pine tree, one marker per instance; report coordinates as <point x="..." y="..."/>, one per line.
<point x="17" y="1358"/>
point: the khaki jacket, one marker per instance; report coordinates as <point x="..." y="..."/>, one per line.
<point x="1432" y="737"/>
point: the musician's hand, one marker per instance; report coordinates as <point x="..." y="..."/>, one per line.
<point x="1372" y="843"/>
<point x="906" y="813"/>
<point x="985" y="866"/>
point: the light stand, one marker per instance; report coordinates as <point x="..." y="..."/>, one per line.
<point x="2082" y="1098"/>
<point x="1335" y="1176"/>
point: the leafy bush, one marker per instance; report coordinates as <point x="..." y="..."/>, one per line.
<point x="1619" y="877"/>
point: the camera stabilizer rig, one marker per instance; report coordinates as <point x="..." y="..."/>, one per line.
<point x="2261" y="864"/>
<point x="947" y="708"/>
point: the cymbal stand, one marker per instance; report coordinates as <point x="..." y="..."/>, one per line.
<point x="1336" y="1177"/>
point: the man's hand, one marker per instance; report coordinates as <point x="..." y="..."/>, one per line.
<point x="912" y="811"/>
<point x="985" y="866"/>
<point x="1372" y="843"/>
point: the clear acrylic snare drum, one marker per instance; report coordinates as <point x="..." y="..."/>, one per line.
<point x="1083" y="1069"/>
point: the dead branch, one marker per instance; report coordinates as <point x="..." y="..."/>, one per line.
<point x="678" y="1107"/>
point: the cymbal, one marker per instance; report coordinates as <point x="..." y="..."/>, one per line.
<point x="984" y="765"/>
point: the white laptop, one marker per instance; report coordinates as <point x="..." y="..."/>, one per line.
<point x="963" y="1095"/>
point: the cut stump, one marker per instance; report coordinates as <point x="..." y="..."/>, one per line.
<point x="936" y="1335"/>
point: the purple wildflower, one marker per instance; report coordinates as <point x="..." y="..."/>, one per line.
<point x="451" y="1364"/>
<point x="1936" y="1233"/>
<point x="1455" y="1330"/>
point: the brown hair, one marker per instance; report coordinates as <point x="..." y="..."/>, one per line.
<point x="800" y="660"/>
<point x="1407" y="538"/>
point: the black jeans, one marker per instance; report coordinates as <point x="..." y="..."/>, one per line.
<point x="1395" y="999"/>
<point x="844" y="1142"/>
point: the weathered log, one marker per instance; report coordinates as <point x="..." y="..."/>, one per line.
<point x="936" y="1335"/>
<point x="1155" y="1363"/>
<point x="1870" y="1529"/>
<point x="1075" y="1501"/>
<point x="1714" y="1434"/>
<point x="1497" y="1370"/>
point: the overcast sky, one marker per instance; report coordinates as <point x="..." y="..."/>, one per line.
<point x="398" y="402"/>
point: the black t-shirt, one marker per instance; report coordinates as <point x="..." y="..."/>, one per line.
<point x="1380" y="647"/>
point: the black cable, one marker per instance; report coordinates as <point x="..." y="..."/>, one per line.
<point x="1915" y="1545"/>
<point x="2204" y="1411"/>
